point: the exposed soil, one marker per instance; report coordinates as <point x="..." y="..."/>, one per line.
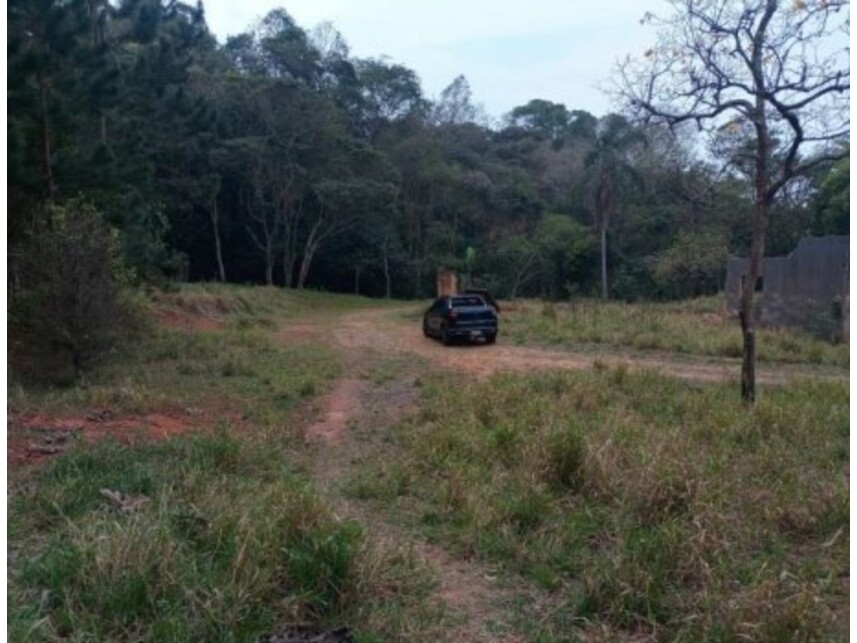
<point x="175" y="318"/>
<point x="337" y="406"/>
<point x="352" y="421"/>
<point x="382" y="332"/>
<point x="32" y="438"/>
<point x="354" y="418"/>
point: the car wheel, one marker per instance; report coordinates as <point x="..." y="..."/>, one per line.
<point x="490" y="339"/>
<point x="425" y="330"/>
<point x="445" y="337"/>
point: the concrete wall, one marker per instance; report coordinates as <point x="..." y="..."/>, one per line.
<point x="807" y="289"/>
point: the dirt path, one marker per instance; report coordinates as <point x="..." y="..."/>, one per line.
<point x="381" y="331"/>
<point x="355" y="416"/>
<point x="354" y="419"/>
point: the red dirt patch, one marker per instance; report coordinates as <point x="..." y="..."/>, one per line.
<point x="31" y="439"/>
<point x="292" y="334"/>
<point x="337" y="406"/>
<point x="186" y="320"/>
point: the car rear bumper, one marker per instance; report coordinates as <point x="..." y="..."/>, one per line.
<point x="471" y="331"/>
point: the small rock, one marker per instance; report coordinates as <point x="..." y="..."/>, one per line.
<point x="301" y="634"/>
<point x="123" y="503"/>
<point x="98" y="415"/>
<point x="43" y="448"/>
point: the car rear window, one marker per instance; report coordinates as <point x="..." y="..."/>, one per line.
<point x="459" y="302"/>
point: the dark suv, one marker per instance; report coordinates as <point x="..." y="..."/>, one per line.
<point x="460" y="317"/>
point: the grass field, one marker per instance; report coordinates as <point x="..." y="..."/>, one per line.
<point x="230" y="538"/>
<point x="639" y="503"/>
<point x="614" y="504"/>
<point x="697" y="327"/>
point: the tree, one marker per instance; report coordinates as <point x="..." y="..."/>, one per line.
<point x="387" y="93"/>
<point x="833" y="201"/>
<point x="610" y="172"/>
<point x="42" y="36"/>
<point x="286" y="50"/>
<point x="692" y="265"/>
<point x="562" y="246"/>
<point x="339" y="208"/>
<point x="456" y="105"/>
<point x="543" y="117"/>
<point x="781" y="68"/>
<point x="518" y="263"/>
<point x="72" y="276"/>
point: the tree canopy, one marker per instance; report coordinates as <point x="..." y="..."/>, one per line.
<point x="279" y="157"/>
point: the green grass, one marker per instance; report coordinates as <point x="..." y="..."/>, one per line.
<point x="232" y="539"/>
<point x="231" y="542"/>
<point x="256" y="303"/>
<point x="638" y="502"/>
<point x="697" y="327"/>
<point x="184" y="366"/>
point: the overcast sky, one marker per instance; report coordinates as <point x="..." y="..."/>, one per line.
<point x="510" y="51"/>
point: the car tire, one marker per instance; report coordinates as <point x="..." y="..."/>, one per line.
<point x="445" y="337"/>
<point x="490" y="339"/>
<point x="426" y="330"/>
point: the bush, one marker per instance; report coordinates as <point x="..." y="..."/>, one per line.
<point x="70" y="300"/>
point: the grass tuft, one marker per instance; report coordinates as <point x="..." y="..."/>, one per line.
<point x="695" y="327"/>
<point x="645" y="503"/>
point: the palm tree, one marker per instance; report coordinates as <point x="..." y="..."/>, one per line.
<point x="610" y="173"/>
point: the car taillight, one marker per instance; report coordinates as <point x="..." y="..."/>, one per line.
<point x="452" y="314"/>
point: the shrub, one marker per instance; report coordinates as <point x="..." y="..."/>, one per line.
<point x="71" y="276"/>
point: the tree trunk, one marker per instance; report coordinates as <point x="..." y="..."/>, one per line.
<point x="747" y="314"/>
<point x="306" y="260"/>
<point x="269" y="268"/>
<point x="521" y="276"/>
<point x="289" y="250"/>
<point x="215" y="222"/>
<point x="288" y="265"/>
<point x="103" y="129"/>
<point x="269" y="259"/>
<point x="309" y="250"/>
<point x="604" y="262"/>
<point x="46" y="139"/>
<point x="291" y="224"/>
<point x="386" y="270"/>
<point x="603" y="205"/>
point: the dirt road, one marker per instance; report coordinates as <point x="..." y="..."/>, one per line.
<point x="354" y="420"/>
<point x="388" y="332"/>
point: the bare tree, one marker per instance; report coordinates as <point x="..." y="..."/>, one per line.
<point x="214" y="214"/>
<point x="263" y="224"/>
<point x="780" y="68"/>
<point x="340" y="205"/>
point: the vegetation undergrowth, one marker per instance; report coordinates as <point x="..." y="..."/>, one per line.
<point x="229" y="543"/>
<point x="695" y="327"/>
<point x="213" y="535"/>
<point x="205" y="341"/>
<point x="640" y="502"/>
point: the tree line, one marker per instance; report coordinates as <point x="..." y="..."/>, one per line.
<point x="278" y="157"/>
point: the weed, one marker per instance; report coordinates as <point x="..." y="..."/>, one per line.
<point x="641" y="500"/>
<point x="566" y="458"/>
<point x="698" y="327"/>
<point x="232" y="540"/>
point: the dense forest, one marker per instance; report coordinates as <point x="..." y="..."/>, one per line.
<point x="278" y="157"/>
